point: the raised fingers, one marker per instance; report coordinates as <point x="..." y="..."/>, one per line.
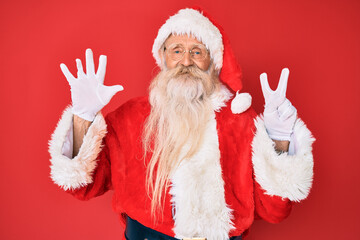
<point x="265" y="84"/>
<point x="281" y="88"/>
<point x="102" y="68"/>
<point x="69" y="77"/>
<point x="79" y="66"/>
<point x="90" y="68"/>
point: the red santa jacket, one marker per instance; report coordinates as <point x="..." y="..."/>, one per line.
<point x="120" y="166"/>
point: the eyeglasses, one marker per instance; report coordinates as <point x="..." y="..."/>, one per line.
<point x="176" y="52"/>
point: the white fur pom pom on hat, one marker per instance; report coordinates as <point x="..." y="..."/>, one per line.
<point x="191" y="22"/>
<point x="241" y="102"/>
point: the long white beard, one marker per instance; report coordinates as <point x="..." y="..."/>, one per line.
<point x="180" y="109"/>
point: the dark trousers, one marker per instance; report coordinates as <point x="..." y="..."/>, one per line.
<point x="136" y="231"/>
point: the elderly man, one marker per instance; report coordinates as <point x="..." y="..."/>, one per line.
<point x="184" y="162"/>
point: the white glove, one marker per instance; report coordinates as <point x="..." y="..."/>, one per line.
<point x="88" y="92"/>
<point x="279" y="114"/>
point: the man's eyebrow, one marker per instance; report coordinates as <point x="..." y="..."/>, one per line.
<point x="198" y="45"/>
<point x="176" y="45"/>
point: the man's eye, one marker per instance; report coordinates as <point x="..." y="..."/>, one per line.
<point x="196" y="51"/>
<point x="177" y="51"/>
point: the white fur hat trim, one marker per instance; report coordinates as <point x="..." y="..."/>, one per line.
<point x="241" y="102"/>
<point x="191" y="22"/>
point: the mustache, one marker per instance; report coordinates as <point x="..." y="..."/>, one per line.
<point x="189" y="71"/>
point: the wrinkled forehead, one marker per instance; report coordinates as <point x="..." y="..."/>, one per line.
<point x="184" y="40"/>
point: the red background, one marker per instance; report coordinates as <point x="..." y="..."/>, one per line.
<point x="318" y="40"/>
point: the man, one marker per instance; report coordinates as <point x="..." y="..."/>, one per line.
<point x="184" y="162"/>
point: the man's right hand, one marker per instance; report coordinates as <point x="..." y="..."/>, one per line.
<point x="88" y="92"/>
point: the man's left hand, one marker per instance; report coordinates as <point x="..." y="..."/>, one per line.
<point x="279" y="114"/>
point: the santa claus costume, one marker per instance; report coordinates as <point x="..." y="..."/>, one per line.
<point x="235" y="176"/>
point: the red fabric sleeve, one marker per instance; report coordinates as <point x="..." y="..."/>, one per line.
<point x="272" y="209"/>
<point x="102" y="173"/>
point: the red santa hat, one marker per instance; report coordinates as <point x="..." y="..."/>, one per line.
<point x="199" y="24"/>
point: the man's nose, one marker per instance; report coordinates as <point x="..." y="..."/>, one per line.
<point x="187" y="60"/>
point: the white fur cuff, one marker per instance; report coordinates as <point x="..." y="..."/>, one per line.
<point x="75" y="173"/>
<point x="287" y="176"/>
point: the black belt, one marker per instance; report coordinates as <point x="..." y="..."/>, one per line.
<point x="136" y="231"/>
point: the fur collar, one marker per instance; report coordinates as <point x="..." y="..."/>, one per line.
<point x="219" y="99"/>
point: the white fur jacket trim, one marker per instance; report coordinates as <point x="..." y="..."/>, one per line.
<point x="198" y="194"/>
<point x="219" y="99"/>
<point x="287" y="176"/>
<point x="77" y="172"/>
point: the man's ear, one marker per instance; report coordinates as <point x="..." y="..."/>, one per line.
<point x="162" y="58"/>
<point x="161" y="54"/>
